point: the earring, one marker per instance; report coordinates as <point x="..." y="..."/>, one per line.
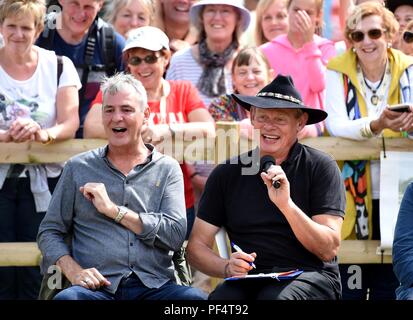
<point x="354" y="49"/>
<point x="389" y="45"/>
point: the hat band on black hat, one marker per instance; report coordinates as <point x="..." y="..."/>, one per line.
<point x="279" y="96"/>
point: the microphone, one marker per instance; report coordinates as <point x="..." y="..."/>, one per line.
<point x="265" y="163"/>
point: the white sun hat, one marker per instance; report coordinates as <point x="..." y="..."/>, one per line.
<point x="149" y="38"/>
<point x="244" y="13"/>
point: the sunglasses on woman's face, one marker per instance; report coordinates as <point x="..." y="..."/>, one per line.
<point x="136" y="61"/>
<point x="408" y="37"/>
<point x="358" y="36"/>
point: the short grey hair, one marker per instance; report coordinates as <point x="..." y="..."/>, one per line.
<point x="119" y="82"/>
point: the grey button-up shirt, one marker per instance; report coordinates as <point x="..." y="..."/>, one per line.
<point x="154" y="189"/>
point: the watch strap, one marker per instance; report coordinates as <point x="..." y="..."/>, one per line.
<point x="121" y="213"/>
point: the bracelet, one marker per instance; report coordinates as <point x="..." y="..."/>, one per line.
<point x="366" y="131"/>
<point x="194" y="174"/>
<point x="50" y="138"/>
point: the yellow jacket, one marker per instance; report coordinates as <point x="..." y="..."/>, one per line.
<point x="347" y="64"/>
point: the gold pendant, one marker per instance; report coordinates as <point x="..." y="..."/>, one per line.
<point x="374" y="99"/>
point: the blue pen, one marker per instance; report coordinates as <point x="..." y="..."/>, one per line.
<point x="238" y="249"/>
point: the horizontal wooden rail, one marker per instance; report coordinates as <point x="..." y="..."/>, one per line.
<point x="351" y="252"/>
<point x="200" y="149"/>
<point x="361" y="252"/>
<point x="19" y="254"/>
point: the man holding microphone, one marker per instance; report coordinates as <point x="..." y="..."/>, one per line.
<point x="293" y="225"/>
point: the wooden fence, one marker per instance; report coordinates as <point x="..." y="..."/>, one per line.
<point x="227" y="143"/>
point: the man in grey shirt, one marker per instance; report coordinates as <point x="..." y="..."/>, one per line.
<point x="124" y="207"/>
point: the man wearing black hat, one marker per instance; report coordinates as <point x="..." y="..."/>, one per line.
<point x="293" y="225"/>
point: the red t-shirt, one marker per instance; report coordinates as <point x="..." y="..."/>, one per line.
<point x="182" y="99"/>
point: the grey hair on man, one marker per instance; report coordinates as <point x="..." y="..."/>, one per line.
<point x="112" y="85"/>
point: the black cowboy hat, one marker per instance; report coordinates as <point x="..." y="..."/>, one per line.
<point x="280" y="94"/>
<point x="392" y="5"/>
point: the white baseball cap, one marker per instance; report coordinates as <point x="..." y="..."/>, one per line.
<point x="148" y="37"/>
<point x="244" y="13"/>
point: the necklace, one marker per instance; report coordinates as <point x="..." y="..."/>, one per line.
<point x="374" y="97"/>
<point x="379" y="91"/>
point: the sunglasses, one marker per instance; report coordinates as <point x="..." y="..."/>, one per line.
<point x="358" y="36"/>
<point x="136" y="61"/>
<point x="408" y="37"/>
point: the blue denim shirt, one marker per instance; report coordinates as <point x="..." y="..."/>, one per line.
<point x="403" y="247"/>
<point x="154" y="189"/>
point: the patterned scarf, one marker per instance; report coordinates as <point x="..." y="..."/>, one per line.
<point x="212" y="80"/>
<point x="354" y="172"/>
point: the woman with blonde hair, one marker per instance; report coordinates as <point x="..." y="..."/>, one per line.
<point x="271" y="20"/>
<point x="172" y="16"/>
<point x="38" y="102"/>
<point x="361" y="84"/>
<point x="126" y="15"/>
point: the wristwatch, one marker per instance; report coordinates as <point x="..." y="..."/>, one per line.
<point x="121" y="213"/>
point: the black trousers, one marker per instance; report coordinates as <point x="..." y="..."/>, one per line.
<point x="310" y="285"/>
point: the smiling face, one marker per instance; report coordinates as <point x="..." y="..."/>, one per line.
<point x="278" y="129"/>
<point x="131" y="16"/>
<point x="177" y="10"/>
<point x="78" y="15"/>
<point x="122" y="117"/>
<point x="219" y="22"/>
<point x="403" y="15"/>
<point x="371" y="51"/>
<point x="149" y="74"/>
<point x="275" y="20"/>
<point x="250" y="79"/>
<point x="19" y="32"/>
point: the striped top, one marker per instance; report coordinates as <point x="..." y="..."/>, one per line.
<point x="184" y="66"/>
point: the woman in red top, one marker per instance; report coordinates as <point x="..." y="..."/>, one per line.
<point x="175" y="105"/>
